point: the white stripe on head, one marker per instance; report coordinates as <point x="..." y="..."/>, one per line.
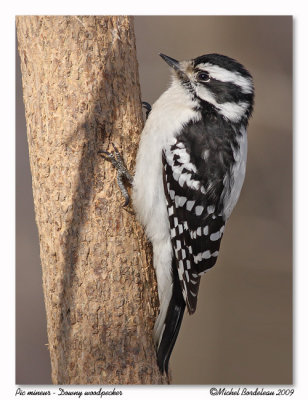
<point x="233" y="111"/>
<point x="224" y="75"/>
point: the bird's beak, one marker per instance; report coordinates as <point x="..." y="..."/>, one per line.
<point x="171" y="62"/>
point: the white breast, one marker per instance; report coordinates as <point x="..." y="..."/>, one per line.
<point x="169" y="113"/>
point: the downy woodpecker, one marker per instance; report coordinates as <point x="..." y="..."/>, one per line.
<point x="189" y="173"/>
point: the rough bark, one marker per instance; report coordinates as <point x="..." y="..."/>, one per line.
<point x="81" y="92"/>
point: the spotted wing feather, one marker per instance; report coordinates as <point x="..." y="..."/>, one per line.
<point x="196" y="228"/>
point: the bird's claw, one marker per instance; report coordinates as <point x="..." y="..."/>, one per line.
<point x="147" y="107"/>
<point x="115" y="159"/>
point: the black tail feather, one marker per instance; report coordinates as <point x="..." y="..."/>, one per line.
<point x="172" y="323"/>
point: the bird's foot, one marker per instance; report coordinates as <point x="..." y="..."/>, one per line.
<point x="118" y="163"/>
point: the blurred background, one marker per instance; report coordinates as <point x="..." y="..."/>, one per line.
<point x="241" y="332"/>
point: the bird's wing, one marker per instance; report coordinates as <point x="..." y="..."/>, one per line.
<point x="196" y="227"/>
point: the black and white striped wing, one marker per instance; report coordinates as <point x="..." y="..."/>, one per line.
<point x="196" y="228"/>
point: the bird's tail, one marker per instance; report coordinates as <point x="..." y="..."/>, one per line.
<point x="169" y="322"/>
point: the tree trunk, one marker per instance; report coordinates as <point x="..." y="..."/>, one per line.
<point x="81" y="92"/>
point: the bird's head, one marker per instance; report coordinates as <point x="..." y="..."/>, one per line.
<point x="217" y="81"/>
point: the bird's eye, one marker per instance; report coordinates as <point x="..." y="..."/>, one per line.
<point x="203" y="76"/>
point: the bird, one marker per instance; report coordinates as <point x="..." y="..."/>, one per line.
<point x="190" y="168"/>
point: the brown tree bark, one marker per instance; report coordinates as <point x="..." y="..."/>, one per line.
<point x="81" y="92"/>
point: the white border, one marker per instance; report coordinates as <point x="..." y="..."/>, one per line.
<point x="132" y="7"/>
